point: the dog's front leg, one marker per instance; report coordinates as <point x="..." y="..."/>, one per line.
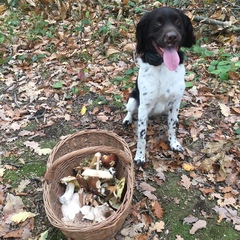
<point x="141" y="142"/>
<point x="172" y="124"/>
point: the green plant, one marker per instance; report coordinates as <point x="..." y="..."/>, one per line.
<point x="125" y="80"/>
<point x="204" y="52"/>
<point x="222" y="67"/>
<point x="237" y="131"/>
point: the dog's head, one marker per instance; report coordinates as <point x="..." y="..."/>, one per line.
<point x="164" y="30"/>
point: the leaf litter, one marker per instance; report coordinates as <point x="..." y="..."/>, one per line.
<point x="70" y="74"/>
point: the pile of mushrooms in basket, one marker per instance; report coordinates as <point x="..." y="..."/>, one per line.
<point x="94" y="193"/>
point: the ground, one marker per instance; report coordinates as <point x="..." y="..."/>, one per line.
<point x="70" y="67"/>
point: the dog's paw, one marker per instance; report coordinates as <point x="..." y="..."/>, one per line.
<point x="139" y="159"/>
<point x="176" y="146"/>
<point x="127" y="120"/>
<point x="139" y="162"/>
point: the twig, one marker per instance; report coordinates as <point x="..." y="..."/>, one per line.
<point x="228" y="25"/>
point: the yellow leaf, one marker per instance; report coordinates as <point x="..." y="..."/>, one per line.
<point x="22" y="216"/>
<point x="2" y="8"/>
<point x="83" y="110"/>
<point x="188" y="167"/>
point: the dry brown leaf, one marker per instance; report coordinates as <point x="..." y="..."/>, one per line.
<point x="207" y="164"/>
<point x="157" y="209"/>
<point x="141" y="237"/>
<point x="146" y="187"/>
<point x="111" y="51"/>
<point x="186" y="182"/>
<point x="197" y="226"/>
<point x="236" y="110"/>
<point x="206" y="190"/>
<point x="225" y="110"/>
<point x="16" y="234"/>
<point x="150" y="195"/>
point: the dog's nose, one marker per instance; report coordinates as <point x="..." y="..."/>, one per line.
<point x="171" y="37"/>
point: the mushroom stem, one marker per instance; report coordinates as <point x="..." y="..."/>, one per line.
<point x="81" y="196"/>
<point x="95" y="160"/>
<point x="67" y="196"/>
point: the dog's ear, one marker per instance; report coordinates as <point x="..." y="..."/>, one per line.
<point x="141" y="33"/>
<point x="189" y="38"/>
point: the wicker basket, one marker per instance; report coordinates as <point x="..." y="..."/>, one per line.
<point x="66" y="155"/>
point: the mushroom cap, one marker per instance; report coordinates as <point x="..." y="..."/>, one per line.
<point x="97" y="173"/>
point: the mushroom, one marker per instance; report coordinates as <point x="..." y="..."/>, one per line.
<point x="97" y="173"/>
<point x="102" y="212"/>
<point x="109" y="160"/>
<point x="95" y="160"/>
<point x="69" y="211"/>
<point x="71" y="183"/>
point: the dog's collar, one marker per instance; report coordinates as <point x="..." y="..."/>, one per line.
<point x="155" y="59"/>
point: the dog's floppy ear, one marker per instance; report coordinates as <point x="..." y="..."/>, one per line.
<point x="141" y="33"/>
<point x="189" y="38"/>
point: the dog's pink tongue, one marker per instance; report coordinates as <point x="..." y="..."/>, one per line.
<point x="171" y="58"/>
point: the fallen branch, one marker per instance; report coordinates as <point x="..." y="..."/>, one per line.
<point x="228" y="25"/>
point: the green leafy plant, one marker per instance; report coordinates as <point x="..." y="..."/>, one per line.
<point x="204" y="52"/>
<point x="222" y="67"/>
<point x="57" y="85"/>
<point x="237" y="131"/>
<point x="124" y="81"/>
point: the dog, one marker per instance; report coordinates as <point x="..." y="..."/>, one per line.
<point x="160" y="84"/>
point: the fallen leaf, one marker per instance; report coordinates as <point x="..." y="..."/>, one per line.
<point x="83" y="110"/>
<point x="22" y="216"/>
<point x="190" y="219"/>
<point x="22" y="185"/>
<point x="237" y="227"/>
<point x="157" y="209"/>
<point x="16" y="234"/>
<point x="133" y="230"/>
<point x="225" y="110"/>
<point x="146" y="187"/>
<point x="44" y="235"/>
<point x="188" y="167"/>
<point x="206" y="190"/>
<point x="186" y="182"/>
<point x="111" y="51"/>
<point x="102" y="117"/>
<point x="13" y="204"/>
<point x="158" y="226"/>
<point x="160" y="174"/>
<point x="43" y="151"/>
<point x="149" y="195"/>
<point x="197" y="226"/>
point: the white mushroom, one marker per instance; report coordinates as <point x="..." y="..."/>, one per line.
<point x="66" y="198"/>
<point x="97" y="173"/>
<point x="87" y="212"/>
<point x="69" y="211"/>
<point x="95" y="160"/>
<point x="71" y="183"/>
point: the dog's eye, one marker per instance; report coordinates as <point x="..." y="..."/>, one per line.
<point x="178" y="22"/>
<point x="157" y="24"/>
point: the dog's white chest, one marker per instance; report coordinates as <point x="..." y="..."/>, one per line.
<point x="159" y="87"/>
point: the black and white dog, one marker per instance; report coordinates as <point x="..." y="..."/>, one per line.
<point x="160" y="84"/>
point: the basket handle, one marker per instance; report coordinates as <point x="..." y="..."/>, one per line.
<point x="124" y="157"/>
